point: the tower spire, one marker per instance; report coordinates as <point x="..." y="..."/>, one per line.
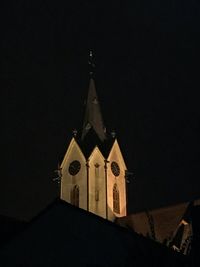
<point x="93" y="117"/>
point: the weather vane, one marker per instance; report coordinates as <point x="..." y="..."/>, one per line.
<point x="74" y="132"/>
<point x="91" y="63"/>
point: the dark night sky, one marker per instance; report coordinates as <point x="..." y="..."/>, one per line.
<point x="147" y="82"/>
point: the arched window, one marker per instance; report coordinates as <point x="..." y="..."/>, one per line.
<point x="116" y="200"/>
<point x="75" y="196"/>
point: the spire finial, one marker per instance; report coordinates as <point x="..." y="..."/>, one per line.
<point x="113" y="134"/>
<point x="74" y="132"/>
<point x="91" y="63"/>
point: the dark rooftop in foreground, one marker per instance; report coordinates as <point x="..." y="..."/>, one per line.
<point x="65" y="235"/>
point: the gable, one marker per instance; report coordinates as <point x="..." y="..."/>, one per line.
<point x="73" y="153"/>
<point x="116" y="154"/>
<point x="96" y="154"/>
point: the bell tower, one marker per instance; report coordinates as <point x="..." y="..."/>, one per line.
<point x="93" y="169"/>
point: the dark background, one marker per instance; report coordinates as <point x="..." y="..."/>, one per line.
<point x="147" y="78"/>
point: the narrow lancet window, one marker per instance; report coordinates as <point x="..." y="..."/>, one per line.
<point x="75" y="196"/>
<point x="116" y="199"/>
<point x="97" y="195"/>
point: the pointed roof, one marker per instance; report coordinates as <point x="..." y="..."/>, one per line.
<point x="93" y="117"/>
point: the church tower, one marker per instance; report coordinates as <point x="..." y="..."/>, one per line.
<point x="93" y="170"/>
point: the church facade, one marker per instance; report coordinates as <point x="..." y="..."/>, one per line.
<point x="93" y="171"/>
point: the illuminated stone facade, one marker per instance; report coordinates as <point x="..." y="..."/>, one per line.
<point x="70" y="179"/>
<point x="95" y="182"/>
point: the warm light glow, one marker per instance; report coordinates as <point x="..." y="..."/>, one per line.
<point x="175" y="248"/>
<point x="184" y="222"/>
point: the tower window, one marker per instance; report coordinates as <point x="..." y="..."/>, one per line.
<point x="97" y="195"/>
<point x="116" y="200"/>
<point x="75" y="196"/>
<point x="96" y="181"/>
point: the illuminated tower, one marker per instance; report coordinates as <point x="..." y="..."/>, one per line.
<point x="93" y="169"/>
